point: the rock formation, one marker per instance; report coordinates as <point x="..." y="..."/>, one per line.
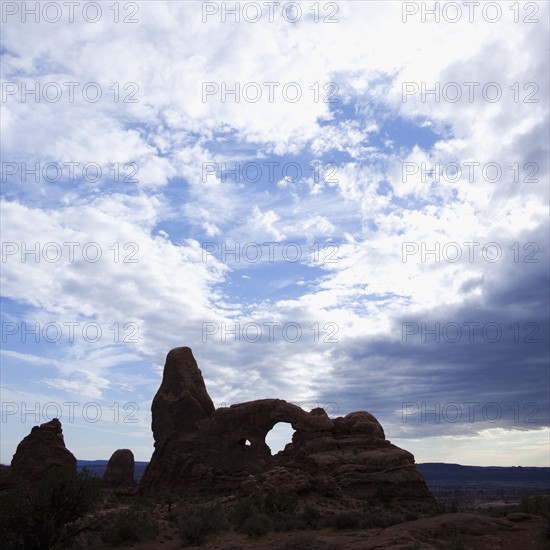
<point x="182" y="399"/>
<point x="5" y="478"/>
<point x="202" y="449"/>
<point x="120" y="469"/>
<point x="43" y="449"/>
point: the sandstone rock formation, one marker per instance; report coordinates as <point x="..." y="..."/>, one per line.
<point x="5" y="478"/>
<point x="182" y="399"/>
<point x="224" y="450"/>
<point x="120" y="469"/>
<point x="42" y="449"/>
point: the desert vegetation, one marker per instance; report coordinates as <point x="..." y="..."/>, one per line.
<point x="45" y="515"/>
<point x="64" y="510"/>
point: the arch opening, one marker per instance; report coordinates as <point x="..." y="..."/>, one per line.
<point x="245" y="442"/>
<point x="279" y="436"/>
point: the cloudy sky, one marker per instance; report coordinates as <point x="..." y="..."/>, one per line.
<point x="340" y="204"/>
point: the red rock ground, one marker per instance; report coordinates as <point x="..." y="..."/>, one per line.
<point x="460" y="530"/>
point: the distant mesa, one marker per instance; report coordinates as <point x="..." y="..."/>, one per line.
<point x="203" y="449"/>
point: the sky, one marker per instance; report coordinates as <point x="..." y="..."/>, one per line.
<point x="339" y="204"/>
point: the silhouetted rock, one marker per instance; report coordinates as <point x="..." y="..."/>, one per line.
<point x="120" y="469"/>
<point x="182" y="399"/>
<point x="5" y="477"/>
<point x="43" y="449"/>
<point x="222" y="450"/>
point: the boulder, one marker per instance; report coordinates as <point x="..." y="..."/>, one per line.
<point x="120" y="469"/>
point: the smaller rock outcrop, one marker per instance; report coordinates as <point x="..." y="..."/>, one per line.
<point x="120" y="469"/>
<point x="43" y="449"/>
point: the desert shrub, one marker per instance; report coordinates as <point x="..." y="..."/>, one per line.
<point x="172" y="515"/>
<point x="456" y="542"/>
<point x="384" y="495"/>
<point x="257" y="524"/>
<point x="170" y="499"/>
<point x="288" y="522"/>
<point x="539" y="504"/>
<point x="444" y="506"/>
<point x="260" y="514"/>
<point x="365" y="520"/>
<point x="345" y="520"/>
<point x="311" y="517"/>
<point x="300" y="542"/>
<point x="39" y="516"/>
<point x="279" y="506"/>
<point x="411" y="516"/>
<point x="279" y="501"/>
<point x="197" y="524"/>
<point x="14" y="530"/>
<point x="144" y="504"/>
<point x="377" y="521"/>
<point x="132" y="525"/>
<point x="496" y="511"/>
<point x="242" y="511"/>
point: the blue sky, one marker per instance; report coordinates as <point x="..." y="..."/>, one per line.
<point x="337" y="267"/>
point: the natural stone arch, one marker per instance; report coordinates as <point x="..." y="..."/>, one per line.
<point x="202" y="448"/>
<point x="281" y="431"/>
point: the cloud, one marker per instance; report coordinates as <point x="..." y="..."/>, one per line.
<point x="365" y="225"/>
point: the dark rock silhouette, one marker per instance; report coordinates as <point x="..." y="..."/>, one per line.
<point x="5" y="478"/>
<point x="224" y="450"/>
<point x="182" y="399"/>
<point x="120" y="469"/>
<point x="43" y="449"/>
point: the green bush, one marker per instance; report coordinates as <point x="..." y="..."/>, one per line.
<point x="535" y="505"/>
<point x="367" y="519"/>
<point x="377" y="521"/>
<point x="280" y="506"/>
<point x="143" y="504"/>
<point x="242" y="511"/>
<point x="15" y="530"/>
<point x="132" y="525"/>
<point x="411" y="516"/>
<point x="288" y="522"/>
<point x="172" y="500"/>
<point x="444" y="506"/>
<point x="279" y="501"/>
<point x="260" y="514"/>
<point x="312" y="517"/>
<point x="39" y="516"/>
<point x="384" y="495"/>
<point x="456" y="542"/>
<point x="197" y="524"/>
<point x="345" y="520"/>
<point x="257" y="524"/>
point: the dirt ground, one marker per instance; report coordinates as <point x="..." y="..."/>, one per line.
<point x="460" y="530"/>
